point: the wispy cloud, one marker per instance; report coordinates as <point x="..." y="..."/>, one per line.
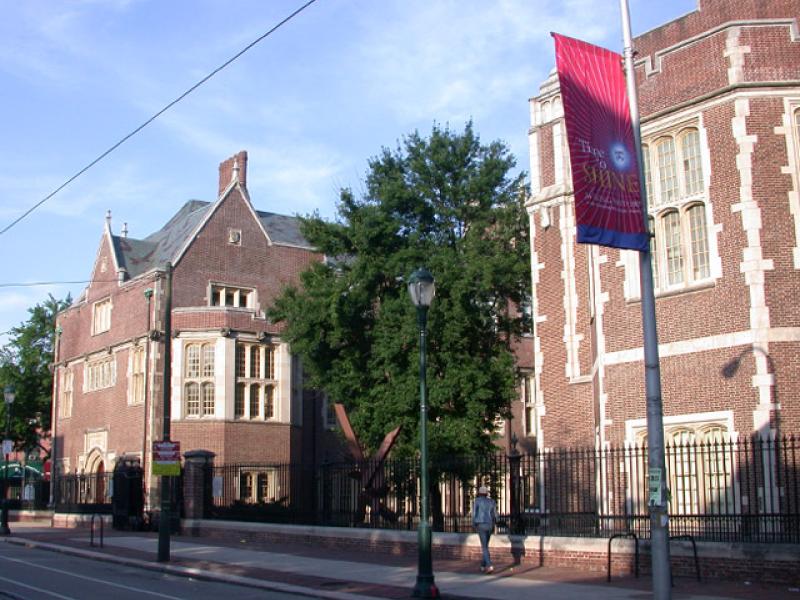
<point x="456" y="60"/>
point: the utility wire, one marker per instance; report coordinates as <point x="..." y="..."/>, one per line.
<point x="38" y="283"/>
<point x="155" y="116"/>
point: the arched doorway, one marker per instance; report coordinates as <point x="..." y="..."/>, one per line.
<point x="96" y="480"/>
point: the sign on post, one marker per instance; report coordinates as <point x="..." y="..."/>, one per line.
<point x="166" y="458"/>
<point x="8" y="446"/>
<point x="654" y="485"/>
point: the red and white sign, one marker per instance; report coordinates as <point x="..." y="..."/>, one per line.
<point x="166" y="458"/>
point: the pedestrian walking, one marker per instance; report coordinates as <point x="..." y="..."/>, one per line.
<point x="484" y="516"/>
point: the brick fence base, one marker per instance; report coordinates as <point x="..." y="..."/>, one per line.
<point x="776" y="563"/>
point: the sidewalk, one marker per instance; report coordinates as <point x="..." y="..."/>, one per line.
<point x="351" y="575"/>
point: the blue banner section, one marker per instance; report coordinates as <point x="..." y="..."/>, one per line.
<point x="615" y="239"/>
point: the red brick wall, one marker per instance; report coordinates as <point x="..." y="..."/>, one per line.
<point x="209" y="258"/>
<point x="691" y="382"/>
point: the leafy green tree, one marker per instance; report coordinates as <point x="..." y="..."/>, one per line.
<point x="25" y="363"/>
<point x="448" y="203"/>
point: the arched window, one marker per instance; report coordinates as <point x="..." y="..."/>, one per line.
<point x="681" y="455"/>
<point x="675" y="184"/>
<point x="192" y="360"/>
<point x="199" y="372"/>
<point x="672" y="247"/>
<point x="208" y="399"/>
<point x="797" y="130"/>
<point x="692" y="168"/>
<point x="238" y="403"/>
<point x="192" y="398"/>
<point x="269" y="402"/>
<point x="255" y="361"/>
<point x="667" y="174"/>
<point x="255" y="381"/>
<point x="699" y="241"/>
<point x="653" y="250"/>
<point x="254" y="401"/>
<point x="208" y="360"/>
<point x="648" y="178"/>
<point x="717" y="470"/>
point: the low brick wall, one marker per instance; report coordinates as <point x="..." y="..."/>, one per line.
<point x="79" y="520"/>
<point x="29" y="516"/>
<point x="753" y="562"/>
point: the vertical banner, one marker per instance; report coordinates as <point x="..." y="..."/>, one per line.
<point x="605" y="172"/>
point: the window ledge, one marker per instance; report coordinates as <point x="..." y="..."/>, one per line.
<point x="699" y="286"/>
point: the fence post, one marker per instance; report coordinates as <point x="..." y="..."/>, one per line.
<point x="514" y="459"/>
<point x="198" y="472"/>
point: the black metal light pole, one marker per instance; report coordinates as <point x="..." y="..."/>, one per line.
<point x="421" y="287"/>
<point x="164" y="519"/>
<point x="8" y="396"/>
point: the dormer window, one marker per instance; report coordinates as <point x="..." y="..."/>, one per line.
<point x="101" y="316"/>
<point x="235" y="297"/>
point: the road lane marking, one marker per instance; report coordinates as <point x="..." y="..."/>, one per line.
<point x="87" y="578"/>
<point x="35" y="589"/>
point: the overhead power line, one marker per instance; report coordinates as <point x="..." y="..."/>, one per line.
<point x="155" y="116"/>
<point x="38" y="283"/>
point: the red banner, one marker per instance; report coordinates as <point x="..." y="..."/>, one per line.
<point x="605" y="171"/>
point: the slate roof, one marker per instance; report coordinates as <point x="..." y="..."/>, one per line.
<point x="139" y="256"/>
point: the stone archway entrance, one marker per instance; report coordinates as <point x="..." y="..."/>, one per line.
<point x="96" y="477"/>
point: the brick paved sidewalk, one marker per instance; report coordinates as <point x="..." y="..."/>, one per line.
<point x="371" y="574"/>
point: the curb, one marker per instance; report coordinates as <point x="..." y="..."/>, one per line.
<point x="188" y="571"/>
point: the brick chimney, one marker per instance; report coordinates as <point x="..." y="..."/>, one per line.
<point x="226" y="171"/>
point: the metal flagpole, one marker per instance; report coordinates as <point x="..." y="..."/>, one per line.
<point x="657" y="485"/>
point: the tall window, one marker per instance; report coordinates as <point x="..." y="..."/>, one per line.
<point x="238" y="402"/>
<point x="797" y="130"/>
<point x="329" y="419"/>
<point x="101" y="316"/>
<point x="258" y="486"/>
<point x="718" y="470"/>
<point x="198" y="387"/>
<point x="100" y="373"/>
<point x="683" y="472"/>
<point x="237" y="297"/>
<point x="529" y="404"/>
<point x="700" y="468"/>
<point x="675" y="184"/>
<point x="137" y="375"/>
<point x="66" y="393"/>
<point x="255" y="381"/>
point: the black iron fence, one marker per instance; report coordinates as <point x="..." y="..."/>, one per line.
<point x="31" y="494"/>
<point x="83" y="492"/>
<point x="724" y="490"/>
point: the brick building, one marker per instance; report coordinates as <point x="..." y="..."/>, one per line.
<point x="719" y="93"/>
<point x="235" y="388"/>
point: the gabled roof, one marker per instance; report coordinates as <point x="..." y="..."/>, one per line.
<point x="139" y="256"/>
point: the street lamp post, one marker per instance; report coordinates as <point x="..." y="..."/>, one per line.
<point x="8" y="396"/>
<point x="421" y="287"/>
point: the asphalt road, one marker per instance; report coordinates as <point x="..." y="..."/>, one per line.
<point x="31" y="574"/>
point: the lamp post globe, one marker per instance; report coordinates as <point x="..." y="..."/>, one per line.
<point x="8" y="397"/>
<point x="422" y="288"/>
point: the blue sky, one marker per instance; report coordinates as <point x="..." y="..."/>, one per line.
<point x="311" y="104"/>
